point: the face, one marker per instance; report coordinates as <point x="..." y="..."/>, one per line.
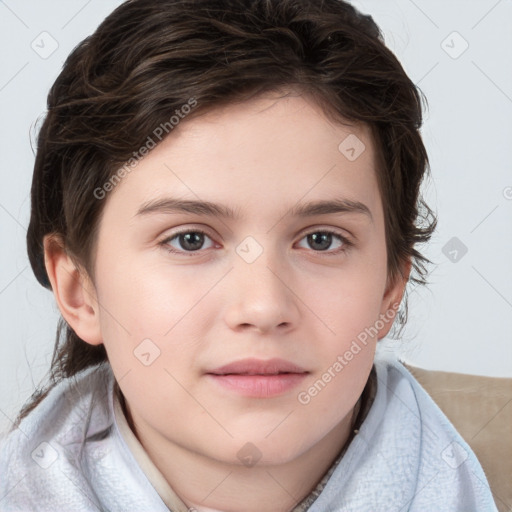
<point x="185" y="290"/>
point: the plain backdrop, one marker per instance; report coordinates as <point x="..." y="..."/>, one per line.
<point x="460" y="55"/>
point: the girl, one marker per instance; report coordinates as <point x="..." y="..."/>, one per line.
<point x="226" y="206"/>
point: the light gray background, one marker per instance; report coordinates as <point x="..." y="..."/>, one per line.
<point x="462" y="322"/>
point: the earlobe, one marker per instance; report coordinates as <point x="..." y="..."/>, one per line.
<point x="73" y="290"/>
<point x="392" y="299"/>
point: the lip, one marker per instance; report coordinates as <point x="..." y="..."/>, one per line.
<point x="258" y="367"/>
<point x="259" y="378"/>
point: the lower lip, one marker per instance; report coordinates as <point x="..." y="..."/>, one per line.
<point x="260" y="386"/>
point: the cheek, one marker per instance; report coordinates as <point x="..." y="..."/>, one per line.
<point x="347" y="300"/>
<point x="143" y="318"/>
<point x="146" y="309"/>
<point x="144" y="298"/>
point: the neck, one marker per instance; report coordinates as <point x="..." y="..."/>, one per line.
<point x="205" y="484"/>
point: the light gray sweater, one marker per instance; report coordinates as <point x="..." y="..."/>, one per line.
<point x="68" y="455"/>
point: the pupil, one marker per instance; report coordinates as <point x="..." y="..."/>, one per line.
<point x="323" y="238"/>
<point x="187" y="241"/>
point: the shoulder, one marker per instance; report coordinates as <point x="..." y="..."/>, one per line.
<point x="406" y="455"/>
<point x="68" y="454"/>
<point x="447" y="471"/>
<point x="70" y="401"/>
<point x="48" y="443"/>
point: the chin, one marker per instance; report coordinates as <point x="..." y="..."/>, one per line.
<point x="267" y="452"/>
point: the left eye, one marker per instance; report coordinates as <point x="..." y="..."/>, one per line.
<point x="322" y="240"/>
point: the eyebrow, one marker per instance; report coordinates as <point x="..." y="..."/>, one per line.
<point x="170" y="205"/>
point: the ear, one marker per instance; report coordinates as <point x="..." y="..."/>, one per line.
<point x="74" y="291"/>
<point x="392" y="298"/>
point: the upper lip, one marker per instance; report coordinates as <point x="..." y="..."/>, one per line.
<point x="258" y="367"/>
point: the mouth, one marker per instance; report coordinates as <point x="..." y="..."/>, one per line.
<point x="258" y="367"/>
<point x="259" y="378"/>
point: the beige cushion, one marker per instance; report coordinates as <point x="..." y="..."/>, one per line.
<point x="480" y="408"/>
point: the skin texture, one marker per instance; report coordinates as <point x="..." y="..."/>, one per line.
<point x="210" y="307"/>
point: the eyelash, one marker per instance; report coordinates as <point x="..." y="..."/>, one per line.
<point x="347" y="244"/>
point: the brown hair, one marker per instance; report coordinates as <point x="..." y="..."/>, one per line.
<point x="149" y="58"/>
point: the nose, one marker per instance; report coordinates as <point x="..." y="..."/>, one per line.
<point x="261" y="297"/>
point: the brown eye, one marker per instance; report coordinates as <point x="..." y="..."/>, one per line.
<point x="322" y="241"/>
<point x="186" y="241"/>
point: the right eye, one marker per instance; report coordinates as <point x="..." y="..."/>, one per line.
<point x="185" y="241"/>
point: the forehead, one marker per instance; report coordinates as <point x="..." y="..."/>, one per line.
<point x="271" y="150"/>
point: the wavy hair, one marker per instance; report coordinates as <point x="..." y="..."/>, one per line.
<point x="149" y="57"/>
